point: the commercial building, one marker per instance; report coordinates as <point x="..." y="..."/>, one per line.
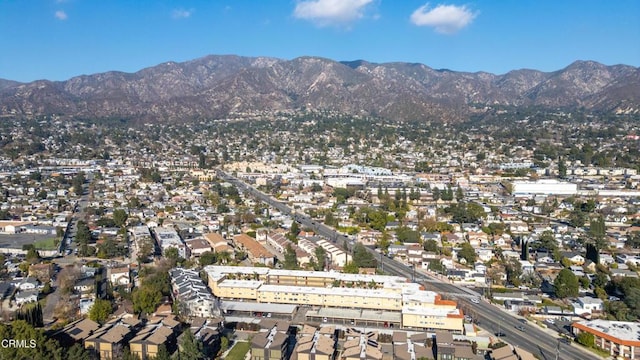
<point x="415" y="308"/>
<point x="620" y="338"/>
<point x="543" y="187"/>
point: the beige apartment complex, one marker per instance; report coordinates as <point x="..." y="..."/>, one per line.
<point x="417" y="308"/>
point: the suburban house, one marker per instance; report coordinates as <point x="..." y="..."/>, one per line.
<point x="587" y="305"/>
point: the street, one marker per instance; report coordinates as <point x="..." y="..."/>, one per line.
<point x="491" y="318"/>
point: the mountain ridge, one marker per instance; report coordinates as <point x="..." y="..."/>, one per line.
<point x="217" y="86"/>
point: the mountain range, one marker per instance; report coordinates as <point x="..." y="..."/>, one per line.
<point x="226" y="86"/>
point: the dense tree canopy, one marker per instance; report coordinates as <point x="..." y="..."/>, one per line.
<point x="566" y="284"/>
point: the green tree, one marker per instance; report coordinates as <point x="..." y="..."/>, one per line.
<point x="77" y="183"/>
<point x="146" y="299"/>
<point x="350" y="268"/>
<point x="208" y="258"/>
<point x="190" y="348"/>
<point x="468" y="253"/>
<point x="513" y="268"/>
<point x="294" y="231"/>
<point x="224" y="344"/>
<point x="77" y="352"/>
<point x="562" y="169"/>
<point x="172" y="255"/>
<point x="362" y="257"/>
<point x="321" y="258"/>
<point x="547" y="241"/>
<point x="597" y="232"/>
<point x="435" y="193"/>
<point x="32" y="256"/>
<point x="431" y="245"/>
<point x="100" y="310"/>
<point x="586" y="339"/>
<point x="162" y="354"/>
<point x="384" y="242"/>
<point x="120" y="217"/>
<point x="45" y="349"/>
<point x="577" y="218"/>
<point x="290" y="259"/>
<point x="566" y="284"/>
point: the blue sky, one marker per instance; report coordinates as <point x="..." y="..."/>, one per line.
<point x="59" y="39"/>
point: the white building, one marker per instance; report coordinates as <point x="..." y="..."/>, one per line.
<point x="168" y="238"/>
<point x="543" y="187"/>
<point x="338" y="257"/>
<point x="587" y="305"/>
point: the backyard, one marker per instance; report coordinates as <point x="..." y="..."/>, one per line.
<point x="238" y="351"/>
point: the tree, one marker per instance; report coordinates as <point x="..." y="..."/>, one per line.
<point x="468" y="253"/>
<point x="597" y="232"/>
<point x="431" y="245"/>
<point x="224" y="344"/>
<point x="162" y="354"/>
<point x="208" y="258"/>
<point x="77" y="183"/>
<point x="77" y="352"/>
<point x="350" y="268"/>
<point x="547" y="241"/>
<point x="587" y="339"/>
<point x="172" y="255"/>
<point x="362" y="257"/>
<point x="384" y="242"/>
<point x="321" y="258"/>
<point x="100" y="310"/>
<point x="190" y="347"/>
<point x="294" y="231"/>
<point x="146" y="299"/>
<point x="38" y="345"/>
<point x="577" y="218"/>
<point x="290" y="259"/>
<point x="435" y="193"/>
<point x="513" y="268"/>
<point x="566" y="284"/>
<point x="562" y="169"/>
<point x="32" y="256"/>
<point x="120" y="217"/>
<point x="459" y="194"/>
<point x="31" y="313"/>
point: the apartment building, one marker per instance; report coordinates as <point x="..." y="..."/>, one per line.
<point x="417" y="308"/>
<point x="168" y="237"/>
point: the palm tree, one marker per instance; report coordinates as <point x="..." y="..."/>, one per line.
<point x="224" y="257"/>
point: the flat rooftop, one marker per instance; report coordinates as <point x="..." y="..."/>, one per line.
<point x="258" y="307"/>
<point x="622" y="330"/>
<point x="350" y="314"/>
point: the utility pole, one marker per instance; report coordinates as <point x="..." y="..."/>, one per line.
<point x="558" y="350"/>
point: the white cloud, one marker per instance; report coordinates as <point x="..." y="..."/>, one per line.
<point x="61" y="15"/>
<point x="330" y="12"/>
<point x="445" y="19"/>
<point x="181" y="13"/>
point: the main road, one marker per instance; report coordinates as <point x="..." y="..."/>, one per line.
<point x="542" y="344"/>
